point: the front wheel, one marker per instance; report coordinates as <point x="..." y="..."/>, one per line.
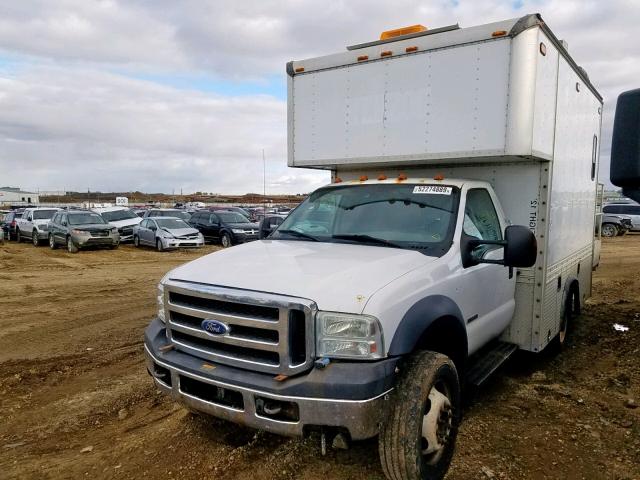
<point x="226" y="240"/>
<point x="34" y="238"/>
<point x="136" y="241"/>
<point x="52" y="242"/>
<point x="609" y="230"/>
<point x="159" y="245"/>
<point x="417" y="438"/>
<point x="71" y="247"/>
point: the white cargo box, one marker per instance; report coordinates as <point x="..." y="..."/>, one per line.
<point x="453" y="94"/>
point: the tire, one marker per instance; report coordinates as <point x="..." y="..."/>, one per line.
<point x="425" y="405"/>
<point x="136" y="241"/>
<point x="159" y="245"/>
<point x="559" y="343"/>
<point x="609" y="230"/>
<point x="34" y="239"/>
<point x="71" y="247"/>
<point x="225" y="241"/>
<point x="52" y="242"/>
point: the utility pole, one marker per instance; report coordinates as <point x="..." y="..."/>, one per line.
<point x="264" y="184"/>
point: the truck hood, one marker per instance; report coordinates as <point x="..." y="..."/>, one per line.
<point x="338" y="277"/>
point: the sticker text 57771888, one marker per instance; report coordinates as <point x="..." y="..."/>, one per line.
<point x="432" y="189"/>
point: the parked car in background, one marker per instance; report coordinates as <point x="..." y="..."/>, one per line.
<point x="631" y="210"/>
<point x="33" y="224"/>
<point x="123" y="218"/>
<point x="139" y="211"/>
<point x="9" y="224"/>
<point x="614" y="225"/>
<point x="167" y="212"/>
<point x="166" y="233"/>
<point x="80" y="229"/>
<point x="225" y="227"/>
<point x="269" y="224"/>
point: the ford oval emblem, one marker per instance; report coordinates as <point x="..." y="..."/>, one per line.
<point x="214" y="327"/>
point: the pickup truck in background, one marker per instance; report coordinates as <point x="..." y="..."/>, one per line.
<point x="458" y="229"/>
<point x="34" y="224"/>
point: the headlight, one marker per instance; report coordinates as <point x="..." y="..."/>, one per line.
<point x="160" y="301"/>
<point x="237" y="230"/>
<point x="114" y="230"/>
<point x="341" y="335"/>
<point x="42" y="227"/>
<point x="80" y="232"/>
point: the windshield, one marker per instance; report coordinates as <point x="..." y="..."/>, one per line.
<point x="232" y="217"/>
<point x="117" y="215"/>
<point x="171" y="223"/>
<point x="84" y="218"/>
<point x="43" y="214"/>
<point x="393" y="215"/>
<point x="171" y="213"/>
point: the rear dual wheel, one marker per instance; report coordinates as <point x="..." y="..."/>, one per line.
<point x="417" y="438"/>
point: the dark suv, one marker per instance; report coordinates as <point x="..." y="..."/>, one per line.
<point x="9" y="224"/>
<point x="227" y="228"/>
<point x="80" y="229"/>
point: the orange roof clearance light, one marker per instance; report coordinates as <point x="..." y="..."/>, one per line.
<point x="363" y="178"/>
<point x="362" y="58"/>
<point x="386" y="53"/>
<point x="382" y="176"/>
<point x="411" y="49"/>
<point x="299" y="69"/>
<point x="398" y="32"/>
<point x="439" y="177"/>
<point x="337" y="180"/>
<point x="402" y="176"/>
<point x="499" y="33"/>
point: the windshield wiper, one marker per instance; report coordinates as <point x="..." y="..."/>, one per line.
<point x="296" y="233"/>
<point x="367" y="239"/>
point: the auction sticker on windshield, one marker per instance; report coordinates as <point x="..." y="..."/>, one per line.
<point x="433" y="189"/>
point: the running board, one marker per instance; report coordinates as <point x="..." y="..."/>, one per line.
<point x="489" y="361"/>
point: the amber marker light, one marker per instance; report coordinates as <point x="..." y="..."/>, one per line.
<point x="499" y="33"/>
<point x="439" y="177"/>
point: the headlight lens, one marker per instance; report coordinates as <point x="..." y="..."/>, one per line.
<point x="341" y="335"/>
<point x="80" y="232"/>
<point x="160" y="301"/>
<point x="237" y="230"/>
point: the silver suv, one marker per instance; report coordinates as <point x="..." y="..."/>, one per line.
<point x="33" y="224"/>
<point x="631" y="210"/>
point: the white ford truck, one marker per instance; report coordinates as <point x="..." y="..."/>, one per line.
<point x="458" y="228"/>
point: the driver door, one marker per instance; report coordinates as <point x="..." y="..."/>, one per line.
<point x="488" y="294"/>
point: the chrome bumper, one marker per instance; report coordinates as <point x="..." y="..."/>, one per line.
<point x="360" y="417"/>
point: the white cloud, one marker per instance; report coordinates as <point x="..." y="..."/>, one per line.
<point x="66" y="120"/>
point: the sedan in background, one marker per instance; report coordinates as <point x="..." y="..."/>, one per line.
<point x="166" y="233"/>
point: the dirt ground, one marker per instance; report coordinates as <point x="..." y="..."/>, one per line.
<point x="76" y="400"/>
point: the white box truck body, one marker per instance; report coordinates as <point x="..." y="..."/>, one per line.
<point x="458" y="227"/>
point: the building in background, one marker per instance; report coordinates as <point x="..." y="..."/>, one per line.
<point x="11" y="196"/>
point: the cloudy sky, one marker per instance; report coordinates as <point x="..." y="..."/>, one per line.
<point x="157" y="95"/>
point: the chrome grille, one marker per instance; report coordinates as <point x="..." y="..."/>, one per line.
<point x="100" y="233"/>
<point x="265" y="332"/>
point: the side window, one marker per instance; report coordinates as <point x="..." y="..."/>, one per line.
<point x="213" y="219"/>
<point x="63" y="220"/>
<point x="634" y="210"/>
<point x="480" y="217"/>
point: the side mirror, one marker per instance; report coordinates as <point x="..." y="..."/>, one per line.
<point x="520" y="248"/>
<point x="625" y="145"/>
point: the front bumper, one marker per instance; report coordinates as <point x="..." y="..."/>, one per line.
<point x="182" y="243"/>
<point x="43" y="234"/>
<point x="84" y="241"/>
<point x="351" y="396"/>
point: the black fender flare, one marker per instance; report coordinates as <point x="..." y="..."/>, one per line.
<point x="420" y="317"/>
